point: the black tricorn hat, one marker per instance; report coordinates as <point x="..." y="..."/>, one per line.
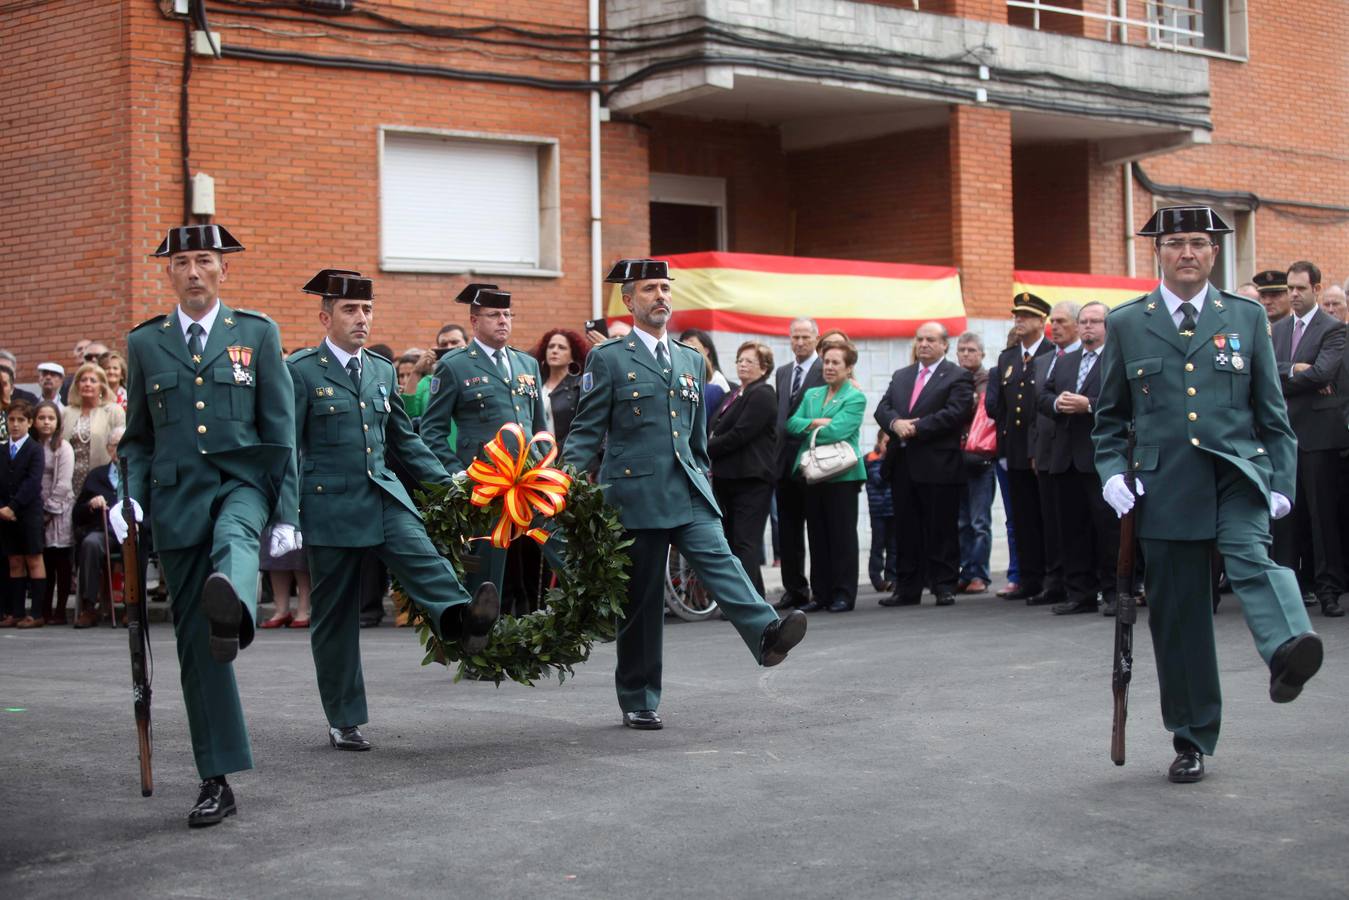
<point x="1026" y="302"/>
<point x="638" y="270"/>
<point x="1184" y="219"/>
<point x="198" y="237"/>
<point x="1270" y="280"/>
<point x="340" y="284"/>
<point x="484" y="295"/>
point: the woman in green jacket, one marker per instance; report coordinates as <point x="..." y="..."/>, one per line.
<point x="836" y="410"/>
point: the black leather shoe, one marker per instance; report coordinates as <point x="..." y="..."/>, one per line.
<point x="1045" y="598"/>
<point x="812" y="607"/>
<point x="214" y="803"/>
<point x="223" y="609"/>
<point x="477" y="617"/>
<point x="1109" y="608"/>
<point x="1308" y="598"/>
<point x="781" y="636"/>
<point x="790" y="601"/>
<point x="897" y="600"/>
<point x="1188" y="767"/>
<point x="643" y="720"/>
<point x="946" y="599"/>
<point x="370" y="623"/>
<point x="348" y="738"/>
<point x="840" y="606"/>
<point x="1022" y="593"/>
<point x="1331" y="609"/>
<point x="1296" y="661"/>
<point x="1073" y="607"/>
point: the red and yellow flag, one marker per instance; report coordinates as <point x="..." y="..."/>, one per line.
<point x="1055" y="287"/>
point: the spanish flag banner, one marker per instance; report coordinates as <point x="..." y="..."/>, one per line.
<point x="1055" y="287"/>
<point x="760" y="294"/>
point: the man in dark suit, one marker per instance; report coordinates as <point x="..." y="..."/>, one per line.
<point x="1010" y="403"/>
<point x="1063" y="335"/>
<point x="1309" y="348"/>
<point x="792" y="380"/>
<point x="1088" y="529"/>
<point x="925" y="411"/>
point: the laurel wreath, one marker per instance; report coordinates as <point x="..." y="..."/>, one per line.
<point x="583" y="608"/>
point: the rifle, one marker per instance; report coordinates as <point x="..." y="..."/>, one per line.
<point x="138" y="632"/>
<point x="1126" y="613"/>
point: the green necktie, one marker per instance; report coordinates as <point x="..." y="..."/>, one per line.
<point x="194" y="341"/>
<point x="1187" y="323"/>
<point x="354" y="370"/>
<point x="500" y="356"/>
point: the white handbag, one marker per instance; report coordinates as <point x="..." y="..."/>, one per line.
<point x="822" y="462"/>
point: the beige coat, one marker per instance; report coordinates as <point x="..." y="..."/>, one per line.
<point x="58" y="494"/>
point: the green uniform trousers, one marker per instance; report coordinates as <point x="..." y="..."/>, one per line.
<point x="215" y="716"/>
<point x="334" y="630"/>
<point x="1178" y="579"/>
<point x="703" y="543"/>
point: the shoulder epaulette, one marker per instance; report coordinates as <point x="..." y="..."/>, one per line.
<point x="254" y="313"/>
<point x="380" y="356"/>
<point x="302" y="353"/>
<point x="155" y="320"/>
<point x="1228" y="295"/>
<point x="1139" y="299"/>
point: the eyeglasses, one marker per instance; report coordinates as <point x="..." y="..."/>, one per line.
<point x="1198" y="245"/>
<point x="91" y="357"/>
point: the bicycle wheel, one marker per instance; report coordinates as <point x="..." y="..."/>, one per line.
<point x="685" y="595"/>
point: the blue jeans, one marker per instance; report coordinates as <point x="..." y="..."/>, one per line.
<point x="884" y="551"/>
<point x="976" y="523"/>
<point x="1013" y="575"/>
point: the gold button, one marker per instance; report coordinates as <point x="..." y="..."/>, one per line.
<point x="201" y="429"/>
<point x="676" y="434"/>
<point x="1018" y="421"/>
<point x="157" y="388"/>
<point x="318" y="489"/>
<point x="1191" y="391"/>
<point x="1018" y="409"/>
<point x="673" y="414"/>
<point x="627" y="471"/>
<point x="366" y="427"/>
<point x="671" y="392"/>
<point x="201" y="404"/>
<point x="332" y="409"/>
<point x="203" y="453"/>
<point x="1194" y="417"/>
<point x="199" y="381"/>
<point x="1137" y="465"/>
<point x="1189" y="367"/>
<point x="636" y="394"/>
<point x="1018" y="396"/>
<point x="367" y="449"/>
<point x="1259" y="449"/>
<point x="1140" y="371"/>
<point x="1194" y="441"/>
<point x="362" y="404"/>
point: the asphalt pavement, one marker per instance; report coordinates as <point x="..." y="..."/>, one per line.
<point x="912" y="752"/>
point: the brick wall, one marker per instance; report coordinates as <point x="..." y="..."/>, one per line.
<point x="1050" y="207"/>
<point x="981" y="206"/>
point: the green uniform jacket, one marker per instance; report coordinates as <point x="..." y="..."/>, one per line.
<point x="1215" y="394"/>
<point x="657" y="438"/>
<point x="845" y="414"/>
<point x="191" y="424"/>
<point x="471" y="400"/>
<point x="342" y="439"/>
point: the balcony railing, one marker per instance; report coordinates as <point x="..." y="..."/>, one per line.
<point x="1175" y="25"/>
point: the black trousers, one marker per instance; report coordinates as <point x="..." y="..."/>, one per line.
<point x="1051" y="518"/>
<point x="1319" y="482"/>
<point x="927" y="526"/>
<point x="1089" y="531"/>
<point x="1028" y="525"/>
<point x="744" y="506"/>
<point x="831" y="519"/>
<point x="791" y="495"/>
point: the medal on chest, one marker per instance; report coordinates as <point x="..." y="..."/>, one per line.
<point x="240" y="359"/>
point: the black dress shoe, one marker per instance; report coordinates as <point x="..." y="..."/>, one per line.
<point x="780" y="637"/>
<point x="348" y="738"/>
<point x="897" y="600"/>
<point x="1073" y="607"/>
<point x="1308" y="598"/>
<point x="643" y="720"/>
<point x="370" y="623"/>
<point x="1021" y="593"/>
<point x="946" y="599"/>
<point x="477" y="617"/>
<point x="1296" y="660"/>
<point x="1045" y="598"/>
<point x="1331" y="609"/>
<point x="1109" y="607"/>
<point x="790" y="601"/>
<point x="223" y="609"/>
<point x="812" y="606"/>
<point x="840" y="606"/>
<point x="214" y="803"/>
<point x="1188" y="767"/>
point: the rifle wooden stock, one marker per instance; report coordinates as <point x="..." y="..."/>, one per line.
<point x="1126" y="613"/>
<point x="138" y="635"/>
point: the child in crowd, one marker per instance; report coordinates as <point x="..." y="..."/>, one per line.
<point x="58" y="499"/>
<point x="884" y="550"/>
<point x="21" y="536"/>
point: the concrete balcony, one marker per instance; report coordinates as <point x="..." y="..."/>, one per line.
<point x="830" y="71"/>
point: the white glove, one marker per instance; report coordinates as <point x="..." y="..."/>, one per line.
<point x="460" y="477"/>
<point x="118" y="522"/>
<point x="285" y="539"/>
<point x="1118" y="495"/>
<point x="1279" y="506"/>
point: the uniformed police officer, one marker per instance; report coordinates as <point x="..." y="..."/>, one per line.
<point x="1010" y="403"/>
<point x="478" y="388"/>
<point x="644" y="393"/>
<point x="347" y="412"/>
<point x="210" y="441"/>
<point x="1191" y="369"/>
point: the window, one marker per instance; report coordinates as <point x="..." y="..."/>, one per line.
<point x="453" y="202"/>
<point x="1210" y="26"/>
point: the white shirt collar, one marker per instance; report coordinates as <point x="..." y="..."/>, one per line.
<point x="1033" y="347"/>
<point x="1173" y="301"/>
<point x="341" y="355"/>
<point x="928" y="368"/>
<point x="207" y="322"/>
<point x="650" y="341"/>
<point x="809" y="361"/>
<point x="1307" y="319"/>
<point x="1097" y="351"/>
<point x="1071" y="348"/>
<point x="492" y="353"/>
<point x="20" y="442"/>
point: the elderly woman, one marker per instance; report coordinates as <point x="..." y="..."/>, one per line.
<point x="561" y="354"/>
<point x="90" y="418"/>
<point x="832" y="413"/>
<point x="114" y="369"/>
<point x="742" y="443"/>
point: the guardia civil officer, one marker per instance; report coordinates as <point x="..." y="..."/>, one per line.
<point x="643" y="392"/>
<point x="348" y="414"/>
<point x="479" y="388"/>
<point x="1192" y="370"/>
<point x="210" y="443"/>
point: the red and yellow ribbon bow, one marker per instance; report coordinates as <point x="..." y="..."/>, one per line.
<point x="524" y="489"/>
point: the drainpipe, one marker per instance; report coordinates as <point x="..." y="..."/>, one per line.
<point x="1128" y="170"/>
<point x="596" y="211"/>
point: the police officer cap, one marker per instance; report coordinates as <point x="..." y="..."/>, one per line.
<point x="1026" y="302"/>
<point x="198" y="237"/>
<point x="1270" y="280"/>
<point x="638" y="270"/>
<point x="1184" y="219"/>
<point x="340" y="284"/>
<point x="488" y="295"/>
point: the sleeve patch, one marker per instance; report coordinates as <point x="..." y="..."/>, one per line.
<point x="435" y="384"/>
<point x="587" y="381"/>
